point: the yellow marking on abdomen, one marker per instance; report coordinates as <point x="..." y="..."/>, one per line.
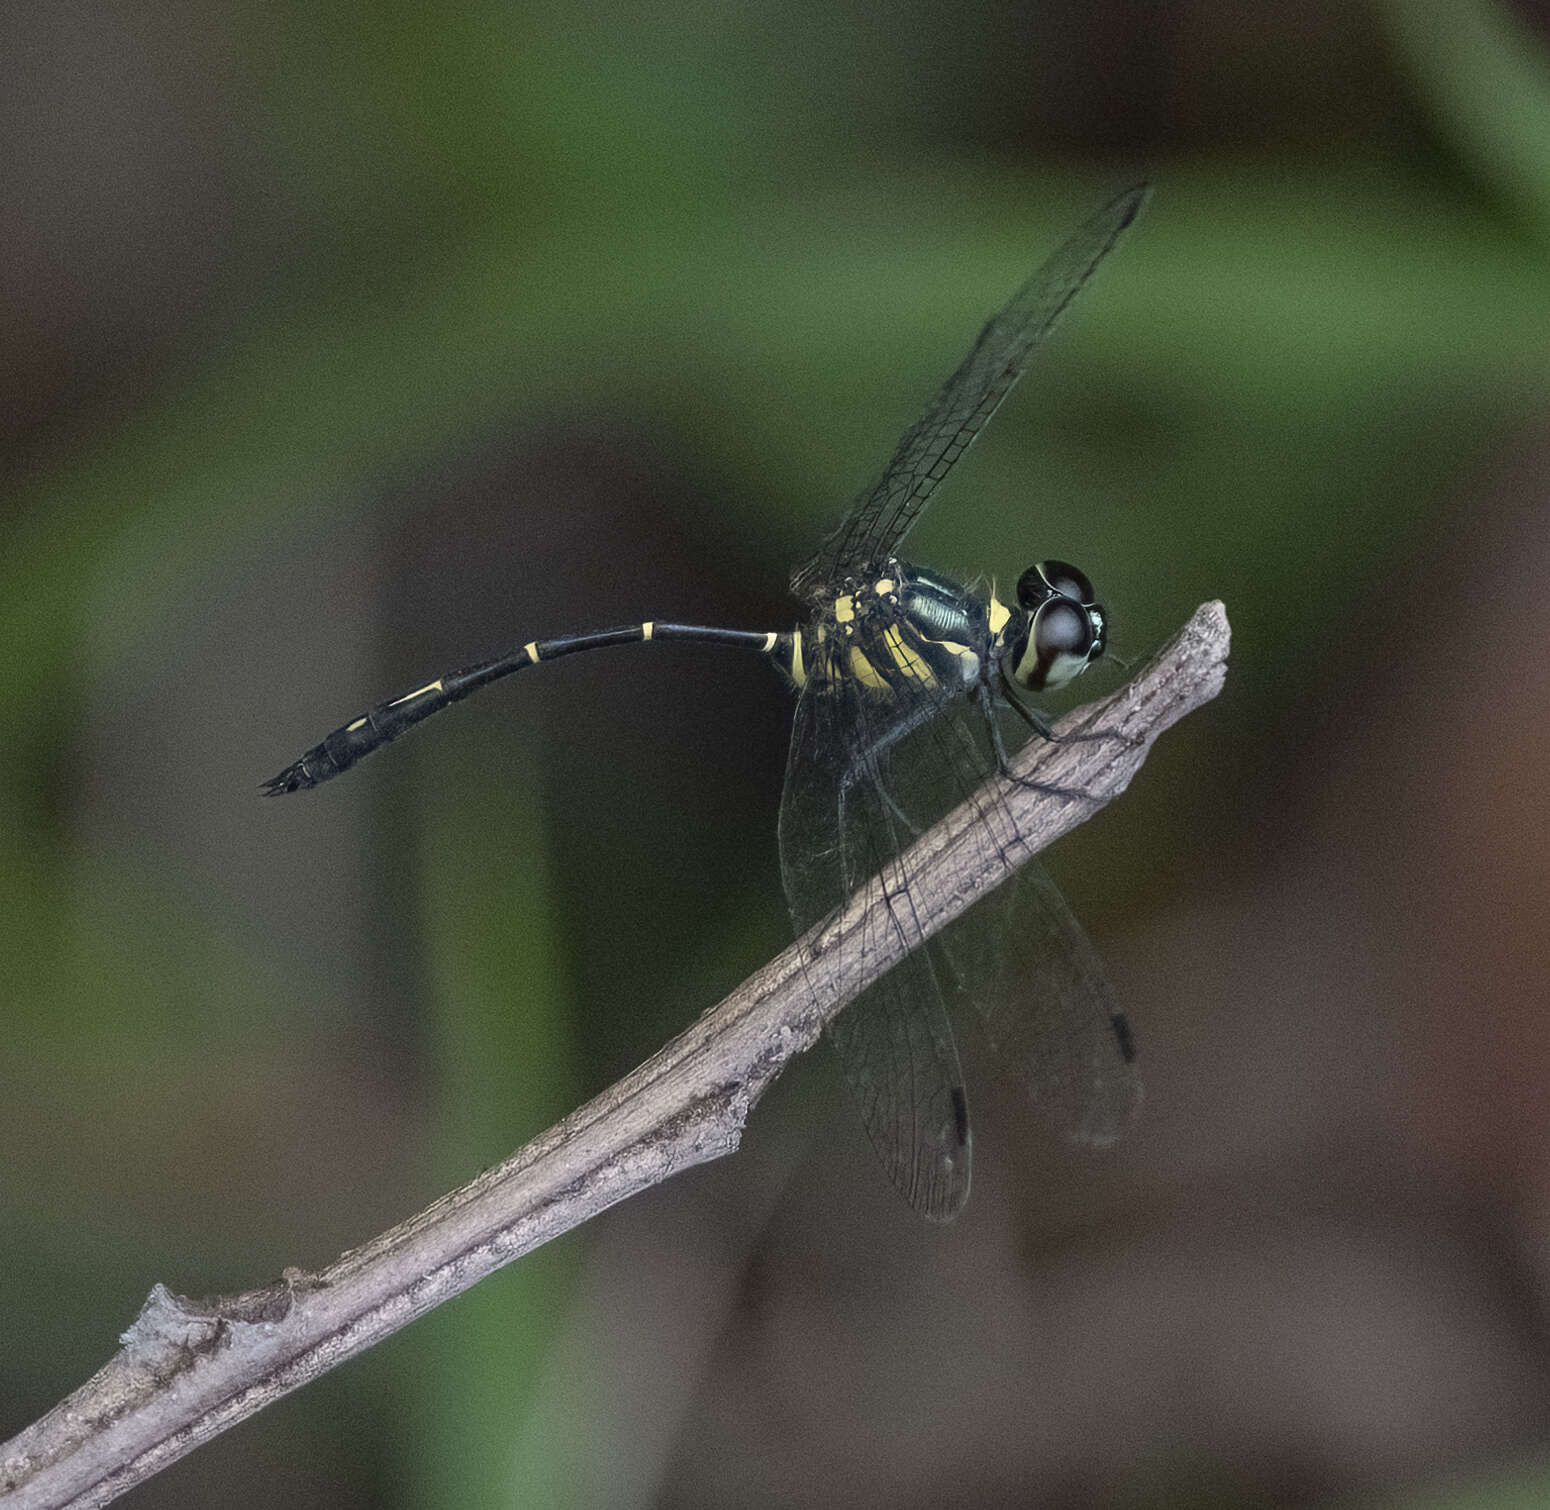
<point x="530" y="650"/>
<point x="359" y="723"/>
<point x="647" y="628"/>
<point x="409" y="697"/>
<point x="769" y="641"/>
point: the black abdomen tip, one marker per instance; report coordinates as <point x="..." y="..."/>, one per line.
<point x="317" y="765"/>
<point x="294" y="778"/>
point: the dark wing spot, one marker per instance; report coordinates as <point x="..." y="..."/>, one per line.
<point x="960" y="1116"/>
<point x="1123" y="1036"/>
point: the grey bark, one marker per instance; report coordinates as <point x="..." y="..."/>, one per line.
<point x="188" y="1369"/>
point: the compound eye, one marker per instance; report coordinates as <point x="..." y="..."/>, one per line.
<point x="1067" y="581"/>
<point x="1065" y="638"/>
<point x="1061" y="630"/>
<point x="1051" y="579"/>
<point x="1032" y="589"/>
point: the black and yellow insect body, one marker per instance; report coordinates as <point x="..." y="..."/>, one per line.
<point x="910" y="687"/>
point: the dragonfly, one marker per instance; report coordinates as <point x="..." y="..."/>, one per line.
<point x="912" y="690"/>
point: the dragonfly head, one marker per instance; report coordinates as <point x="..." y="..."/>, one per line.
<point x="1063" y="629"/>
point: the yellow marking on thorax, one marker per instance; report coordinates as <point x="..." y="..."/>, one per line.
<point x="409" y="697"/>
<point x="999" y="613"/>
<point x="844" y="609"/>
<point x="798" y="664"/>
<point x="531" y="651"/>
<point x="864" y="671"/>
<point x="907" y="658"/>
<point x="647" y="629"/>
<point x="883" y="586"/>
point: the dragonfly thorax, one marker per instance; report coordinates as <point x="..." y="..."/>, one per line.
<point x="1061" y="630"/>
<point x="906" y="629"/>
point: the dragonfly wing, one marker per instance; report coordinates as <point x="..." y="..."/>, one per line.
<point x="901" y="1064"/>
<point x="881" y="516"/>
<point x="1036" y="983"/>
<point x="838" y="828"/>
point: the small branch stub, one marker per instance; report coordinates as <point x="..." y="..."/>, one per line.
<point x="187" y="1370"/>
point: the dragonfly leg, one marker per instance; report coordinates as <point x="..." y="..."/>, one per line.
<point x="898" y="812"/>
<point x="1036" y="718"/>
<point x="865" y="768"/>
<point x="1003" y="762"/>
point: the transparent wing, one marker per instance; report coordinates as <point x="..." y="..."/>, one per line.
<point x="881" y="516"/>
<point x="866" y="775"/>
<point x="838" y="827"/>
<point x="1027" y="970"/>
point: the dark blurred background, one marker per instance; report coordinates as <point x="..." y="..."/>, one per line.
<point x="342" y="343"/>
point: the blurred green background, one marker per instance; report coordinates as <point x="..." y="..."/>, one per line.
<point x="343" y="343"/>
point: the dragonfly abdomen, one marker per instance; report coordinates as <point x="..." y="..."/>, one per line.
<point x="338" y="751"/>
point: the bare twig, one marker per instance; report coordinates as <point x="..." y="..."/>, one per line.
<point x="189" y="1369"/>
